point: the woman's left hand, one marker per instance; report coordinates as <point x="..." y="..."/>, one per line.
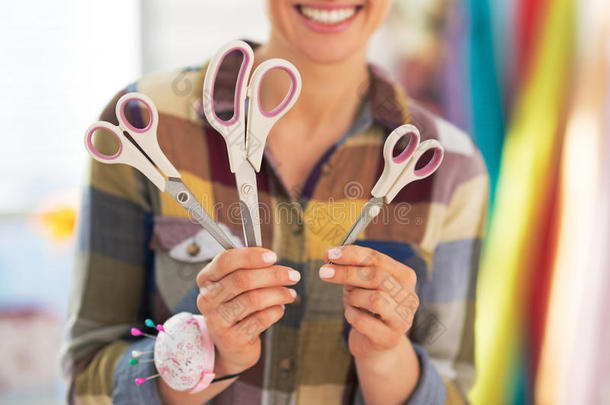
<point x="378" y="295"/>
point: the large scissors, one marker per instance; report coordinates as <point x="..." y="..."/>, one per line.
<point x="398" y="171"/>
<point x="149" y="155"/>
<point x="245" y="134"/>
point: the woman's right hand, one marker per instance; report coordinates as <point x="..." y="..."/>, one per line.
<point x="242" y="294"/>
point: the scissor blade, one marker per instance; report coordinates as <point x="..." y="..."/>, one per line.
<point x="245" y="177"/>
<point x="178" y="190"/>
<point x="369" y="211"/>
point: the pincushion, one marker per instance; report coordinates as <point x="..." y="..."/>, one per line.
<point x="184" y="353"/>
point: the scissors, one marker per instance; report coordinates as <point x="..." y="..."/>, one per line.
<point x="397" y="173"/>
<point x="245" y="134"/>
<point x="149" y="155"/>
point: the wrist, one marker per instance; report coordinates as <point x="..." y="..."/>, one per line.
<point x="383" y="362"/>
<point x="222" y="368"/>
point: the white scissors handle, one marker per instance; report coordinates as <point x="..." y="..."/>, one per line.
<point x="232" y="130"/>
<point x="127" y="152"/>
<point x="146" y="137"/>
<point x="260" y="121"/>
<point x="402" y="169"/>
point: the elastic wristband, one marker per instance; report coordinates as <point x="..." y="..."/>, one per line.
<point x="227" y="377"/>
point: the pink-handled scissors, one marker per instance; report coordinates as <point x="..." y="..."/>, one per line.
<point x="146" y="138"/>
<point x="398" y="171"/>
<point x="245" y="138"/>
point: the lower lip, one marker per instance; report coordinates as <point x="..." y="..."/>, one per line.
<point x="327" y="28"/>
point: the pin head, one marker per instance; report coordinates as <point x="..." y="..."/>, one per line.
<point x="136" y="332"/>
<point x="140" y="381"/>
<point x="149" y="323"/>
<point x="160" y="328"/>
<point x="133" y="362"/>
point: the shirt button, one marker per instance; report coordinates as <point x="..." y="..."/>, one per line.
<point x="297" y="217"/>
<point x="286" y="365"/>
<point x="193" y="249"/>
<point x="326" y="169"/>
<point x="297" y="227"/>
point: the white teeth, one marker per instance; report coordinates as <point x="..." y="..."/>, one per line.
<point x="329" y="17"/>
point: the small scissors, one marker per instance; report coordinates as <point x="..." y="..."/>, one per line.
<point x="146" y="139"/>
<point x="245" y="134"/>
<point x="397" y="173"/>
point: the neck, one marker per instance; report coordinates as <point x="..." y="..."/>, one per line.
<point x="330" y="94"/>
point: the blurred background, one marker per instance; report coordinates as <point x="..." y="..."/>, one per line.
<point x="528" y="79"/>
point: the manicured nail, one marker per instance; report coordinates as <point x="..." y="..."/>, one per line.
<point x="269" y="257"/>
<point x="294" y="275"/>
<point x="292" y="292"/>
<point x="326" y="272"/>
<point x="334" y="253"/>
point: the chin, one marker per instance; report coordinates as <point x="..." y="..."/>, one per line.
<point x="327" y="52"/>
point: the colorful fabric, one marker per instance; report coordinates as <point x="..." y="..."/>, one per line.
<point x="487" y="119"/>
<point x="518" y="241"/>
<point x="129" y="266"/>
<point x="570" y="372"/>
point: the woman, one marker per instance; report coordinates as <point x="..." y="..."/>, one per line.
<point x="298" y="330"/>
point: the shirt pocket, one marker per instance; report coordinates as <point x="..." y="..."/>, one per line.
<point x="185" y="241"/>
<point x="182" y="248"/>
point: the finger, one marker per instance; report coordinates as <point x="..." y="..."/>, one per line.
<point x="233" y="311"/>
<point x="365" y="257"/>
<point x="233" y="259"/>
<point x="378" y="332"/>
<point x="248" y="329"/>
<point x="353" y="276"/>
<point x="240" y="281"/>
<point x="379" y="303"/>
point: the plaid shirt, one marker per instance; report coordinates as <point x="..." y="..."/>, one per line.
<point x="139" y="252"/>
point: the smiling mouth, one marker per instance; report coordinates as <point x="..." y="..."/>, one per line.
<point x="328" y="16"/>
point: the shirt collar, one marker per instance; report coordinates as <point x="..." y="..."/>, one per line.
<point x="387" y="99"/>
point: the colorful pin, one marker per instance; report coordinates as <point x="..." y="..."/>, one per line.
<point x="160" y="328"/>
<point x="137" y="353"/>
<point x="134" y="361"/>
<point x="151" y="324"/>
<point x="138" y="332"/>
<point x="140" y="381"/>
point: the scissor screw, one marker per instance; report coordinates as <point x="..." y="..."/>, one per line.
<point x="246" y="188"/>
<point x="182" y="196"/>
<point x="374" y="211"/>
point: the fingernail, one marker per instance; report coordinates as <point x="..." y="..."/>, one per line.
<point x="269" y="257"/>
<point x="294" y="275"/>
<point x="326" y="272"/>
<point x="283" y="306"/>
<point x="334" y="253"/>
<point x="292" y="292"/>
